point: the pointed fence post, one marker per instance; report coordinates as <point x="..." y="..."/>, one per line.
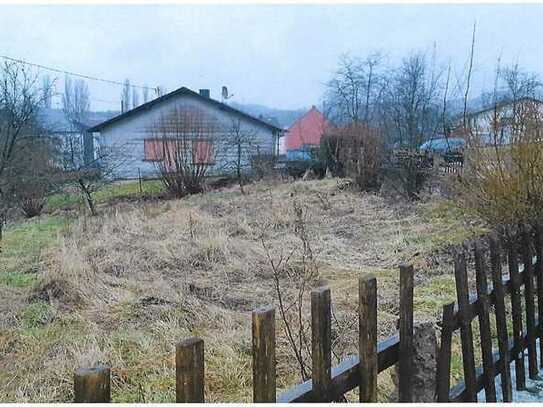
<point x="367" y="334"/>
<point x="321" y="344"/>
<point x="484" y="325"/>
<point x="264" y="355"/>
<point x="500" y="314"/>
<point x="466" y="332"/>
<point x="443" y="379"/>
<point x="189" y="369"/>
<point x="405" y="362"/>
<point x="92" y="385"/>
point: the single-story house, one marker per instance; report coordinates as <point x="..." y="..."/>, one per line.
<point x="145" y="132"/>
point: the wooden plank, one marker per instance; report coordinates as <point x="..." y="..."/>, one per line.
<point x="501" y="322"/>
<point x="92" y="385"/>
<point x="484" y="324"/>
<point x="263" y="330"/>
<point x="367" y="338"/>
<point x="539" y="280"/>
<point x="189" y="371"/>
<point x="321" y="344"/>
<point x="346" y="375"/>
<point x="443" y="376"/>
<point x="405" y="363"/>
<point x="466" y="333"/>
<point x="516" y="309"/>
<point x="529" y="301"/>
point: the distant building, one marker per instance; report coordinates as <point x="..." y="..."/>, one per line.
<point x="305" y="135"/>
<point x="142" y="150"/>
<point x="55" y="124"/>
<point x="496" y="121"/>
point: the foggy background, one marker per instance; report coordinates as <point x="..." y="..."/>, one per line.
<point x="277" y="55"/>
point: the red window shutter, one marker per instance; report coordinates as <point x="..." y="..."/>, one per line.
<point x="153" y="149"/>
<point x="202" y="152"/>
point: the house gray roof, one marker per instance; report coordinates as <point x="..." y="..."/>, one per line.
<point x="502" y="103"/>
<point x="179" y="92"/>
<point x="55" y="121"/>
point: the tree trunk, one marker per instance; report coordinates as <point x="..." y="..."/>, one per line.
<point x="88" y="197"/>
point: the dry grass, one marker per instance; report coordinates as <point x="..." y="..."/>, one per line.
<point x="122" y="288"/>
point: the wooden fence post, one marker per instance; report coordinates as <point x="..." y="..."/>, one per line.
<point x="539" y="280"/>
<point x="466" y="333"/>
<point x="527" y="258"/>
<point x="321" y="344"/>
<point x="516" y="308"/>
<point x="264" y="355"/>
<point x="405" y="361"/>
<point x="92" y="385"/>
<point x="443" y="375"/>
<point x="189" y="369"/>
<point x="367" y="338"/>
<point x="484" y="325"/>
<point x="501" y="323"/>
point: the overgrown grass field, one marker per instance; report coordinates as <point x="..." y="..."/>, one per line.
<point x="121" y="288"/>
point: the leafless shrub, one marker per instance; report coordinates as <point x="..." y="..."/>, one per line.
<point x="184" y="146"/>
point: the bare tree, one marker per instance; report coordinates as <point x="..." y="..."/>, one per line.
<point x="354" y="91"/>
<point x="184" y="144"/>
<point x="135" y="98"/>
<point x="145" y="93"/>
<point x="20" y="99"/>
<point x="125" y="96"/>
<point x="240" y="147"/>
<point x="47" y="89"/>
<point x="85" y="164"/>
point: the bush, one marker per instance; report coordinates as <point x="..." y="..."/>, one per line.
<point x="356" y="151"/>
<point x="503" y="181"/>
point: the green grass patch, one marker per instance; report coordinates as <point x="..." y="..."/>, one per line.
<point x="24" y="244"/>
<point x="118" y="190"/>
<point x="16" y="279"/>
<point x="36" y="315"/>
<point x="430" y="297"/>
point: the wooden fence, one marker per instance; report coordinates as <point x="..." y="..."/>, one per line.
<point x="327" y="383"/>
<point x="488" y="300"/>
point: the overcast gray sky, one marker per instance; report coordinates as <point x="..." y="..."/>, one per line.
<point x="277" y="55"/>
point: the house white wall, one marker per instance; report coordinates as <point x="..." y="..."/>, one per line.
<point x="127" y="135"/>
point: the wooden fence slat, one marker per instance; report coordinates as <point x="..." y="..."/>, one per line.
<point x="443" y="375"/>
<point x="189" y="370"/>
<point x="539" y="279"/>
<point x="527" y="259"/>
<point x="516" y="309"/>
<point x="321" y="344"/>
<point x="263" y="330"/>
<point x="501" y="322"/>
<point x="92" y="385"/>
<point x="484" y="325"/>
<point x="405" y="362"/>
<point x="367" y="334"/>
<point x="466" y="333"/>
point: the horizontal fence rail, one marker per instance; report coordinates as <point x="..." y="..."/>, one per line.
<point x="326" y="384"/>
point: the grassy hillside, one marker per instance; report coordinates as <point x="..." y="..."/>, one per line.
<point x="123" y="287"/>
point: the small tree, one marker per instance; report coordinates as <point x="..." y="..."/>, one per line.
<point x="240" y="146"/>
<point x="85" y="164"/>
<point x="184" y="144"/>
<point x="20" y="99"/>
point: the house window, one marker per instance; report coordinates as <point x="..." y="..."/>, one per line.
<point x="202" y="152"/>
<point x="153" y="150"/>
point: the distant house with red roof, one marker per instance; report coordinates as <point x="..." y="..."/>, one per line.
<point x="305" y="134"/>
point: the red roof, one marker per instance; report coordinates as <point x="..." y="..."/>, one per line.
<point x="308" y="129"/>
